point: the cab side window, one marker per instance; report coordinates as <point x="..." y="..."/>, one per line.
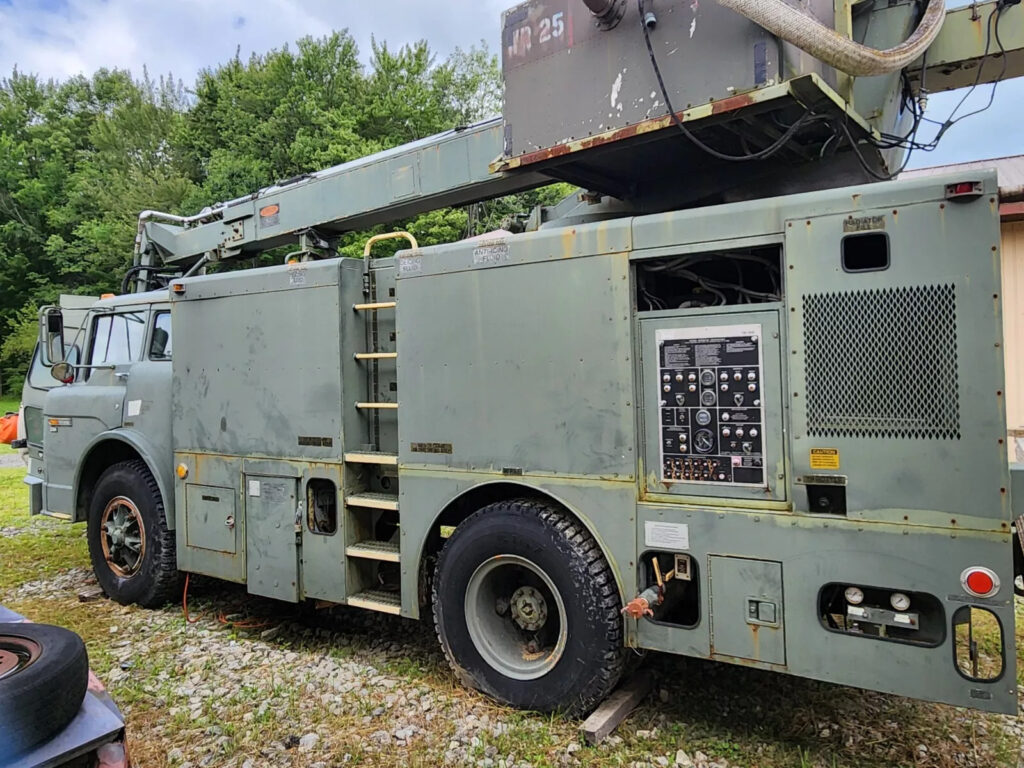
<point x="160" y="345"/>
<point x="117" y="339"/>
<point x="39" y="375"/>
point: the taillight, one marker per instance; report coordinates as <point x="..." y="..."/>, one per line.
<point x="965" y="190"/>
<point x="979" y="582"/>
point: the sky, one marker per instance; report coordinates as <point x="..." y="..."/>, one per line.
<point x="58" y="38"/>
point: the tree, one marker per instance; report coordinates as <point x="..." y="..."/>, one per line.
<point x="79" y="159"/>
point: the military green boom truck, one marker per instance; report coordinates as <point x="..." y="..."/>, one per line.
<point x="740" y="399"/>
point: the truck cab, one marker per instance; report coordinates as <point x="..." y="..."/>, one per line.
<point x="107" y="413"/>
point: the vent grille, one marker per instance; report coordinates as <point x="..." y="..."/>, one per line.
<point x="882" y="363"/>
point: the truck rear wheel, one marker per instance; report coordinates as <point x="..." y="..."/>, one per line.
<point x="132" y="552"/>
<point x="527" y="609"/>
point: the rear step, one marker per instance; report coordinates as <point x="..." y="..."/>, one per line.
<point x="372" y="457"/>
<point x="388" y="501"/>
<point x="377" y="600"/>
<point x="383" y="551"/>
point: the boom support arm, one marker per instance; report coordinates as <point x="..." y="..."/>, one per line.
<point x="450" y="169"/>
<point x="953" y="59"/>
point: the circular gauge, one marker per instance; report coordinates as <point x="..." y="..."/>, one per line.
<point x="708" y="397"/>
<point x="707" y="378"/>
<point x="899" y="601"/>
<point x="704" y="441"/>
<point x="703" y="417"/>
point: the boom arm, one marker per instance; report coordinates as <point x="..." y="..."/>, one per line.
<point x="953" y="59"/>
<point x="450" y="169"/>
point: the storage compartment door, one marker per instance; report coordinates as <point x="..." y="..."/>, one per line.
<point x="746" y="609"/>
<point x="272" y="561"/>
<point x="210" y="518"/>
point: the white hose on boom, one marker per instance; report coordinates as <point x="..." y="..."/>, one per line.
<point x="824" y="43"/>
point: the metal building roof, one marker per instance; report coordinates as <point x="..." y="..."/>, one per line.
<point x="1011" y="173"/>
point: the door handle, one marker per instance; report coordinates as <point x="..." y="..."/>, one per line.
<point x="230" y="522"/>
<point x="123" y="375"/>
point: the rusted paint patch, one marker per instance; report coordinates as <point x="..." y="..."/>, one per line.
<point x="639" y="129"/>
<point x="732" y="103"/>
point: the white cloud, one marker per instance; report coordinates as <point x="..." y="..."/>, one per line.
<point x="58" y="38"/>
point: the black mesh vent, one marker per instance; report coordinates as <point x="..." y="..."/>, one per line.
<point x="883" y="363"/>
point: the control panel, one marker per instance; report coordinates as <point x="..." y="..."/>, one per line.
<point x="710" y="405"/>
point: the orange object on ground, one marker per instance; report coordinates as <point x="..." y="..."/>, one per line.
<point x="9" y="429"/>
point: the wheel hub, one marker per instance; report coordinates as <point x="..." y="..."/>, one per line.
<point x="16" y="653"/>
<point x="122" y="536"/>
<point x="529" y="609"/>
<point x="516" y="617"/>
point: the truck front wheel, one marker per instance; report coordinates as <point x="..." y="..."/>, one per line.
<point x="527" y="609"/>
<point x="132" y="552"/>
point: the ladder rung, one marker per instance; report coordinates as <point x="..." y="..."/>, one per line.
<point x="376" y="355"/>
<point x="377" y="600"/>
<point x="377" y="406"/>
<point x="372" y="457"/>
<point x="374" y="307"/>
<point x="383" y="551"/>
<point x="373" y="501"/>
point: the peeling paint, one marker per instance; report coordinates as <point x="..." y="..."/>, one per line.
<point x="616" y="89"/>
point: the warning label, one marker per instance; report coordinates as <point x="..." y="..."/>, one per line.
<point x="824" y="458"/>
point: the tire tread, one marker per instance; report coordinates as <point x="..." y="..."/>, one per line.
<point x="162" y="572"/>
<point x="589" y="564"/>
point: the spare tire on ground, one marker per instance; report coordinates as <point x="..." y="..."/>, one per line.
<point x="44" y="673"/>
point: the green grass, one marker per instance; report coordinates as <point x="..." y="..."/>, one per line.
<point x="45" y="548"/>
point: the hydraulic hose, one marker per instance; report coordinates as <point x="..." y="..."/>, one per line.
<point x="824" y="43"/>
<point x="607" y="13"/>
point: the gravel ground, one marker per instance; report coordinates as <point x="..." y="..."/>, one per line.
<point x="9" y="460"/>
<point x="350" y="687"/>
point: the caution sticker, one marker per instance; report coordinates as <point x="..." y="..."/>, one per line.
<point x="824" y="458"/>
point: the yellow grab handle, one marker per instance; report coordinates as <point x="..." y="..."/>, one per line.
<point x="388" y="236"/>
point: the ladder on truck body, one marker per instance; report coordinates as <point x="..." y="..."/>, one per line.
<point x="364" y="508"/>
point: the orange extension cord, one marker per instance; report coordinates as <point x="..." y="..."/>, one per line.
<point x="221" y="617"/>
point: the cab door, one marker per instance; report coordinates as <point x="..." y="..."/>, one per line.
<point x="76" y="414"/>
<point x="39" y="382"/>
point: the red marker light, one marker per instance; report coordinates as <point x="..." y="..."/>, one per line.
<point x="964" y="190"/>
<point x="980" y="582"/>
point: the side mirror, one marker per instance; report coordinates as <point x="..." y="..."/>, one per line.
<point x="63" y="372"/>
<point x="52" y="341"/>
